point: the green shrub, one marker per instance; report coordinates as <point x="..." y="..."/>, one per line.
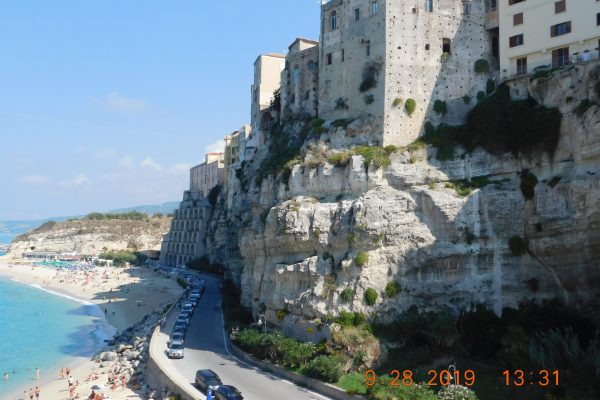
<point x="465" y="188"/>
<point x="281" y="314"/>
<point x="440" y="107"/>
<point x="390" y="148"/>
<point x="359" y="319"/>
<point x="410" y="106"/>
<point x="361" y="259"/>
<point x="182" y="282"/>
<point x="568" y="99"/>
<point x="528" y="183"/>
<point x="554" y="181"/>
<point x="597" y="88"/>
<point x="374" y="155"/>
<point x="383" y="390"/>
<point x="370" y="296"/>
<point x="353" y="383"/>
<point x="297" y="354"/>
<point x="517" y="245"/>
<point x="456" y="392"/>
<point x="341" y="104"/>
<point x="482" y="66"/>
<point x="317" y="232"/>
<point x="368" y="83"/>
<point x="345" y="318"/>
<point x="347" y="294"/>
<point x="213" y="195"/>
<point x="397" y="102"/>
<point x="430" y="184"/>
<point x="583" y="106"/>
<point x="340" y="159"/>
<point x="480" y="96"/>
<point x="392" y="289"/>
<point x="316" y="123"/>
<point x="490" y="86"/>
<point x="467" y="99"/>
<point x="368" y="99"/>
<point x="121" y="257"/>
<point x="351" y="239"/>
<point x="326" y="368"/>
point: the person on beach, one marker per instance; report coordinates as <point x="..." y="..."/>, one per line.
<point x="123" y="382"/>
<point x="72" y="392"/>
<point x="6" y="376"/>
<point x="37" y="393"/>
<point x="62" y="373"/>
<point x="37" y="374"/>
<point x="67" y="371"/>
<point x="30" y="393"/>
<point x="70" y="380"/>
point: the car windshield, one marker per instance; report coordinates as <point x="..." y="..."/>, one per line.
<point x="176" y="346"/>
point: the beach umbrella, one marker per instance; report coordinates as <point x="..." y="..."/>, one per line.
<point x="98" y="387"/>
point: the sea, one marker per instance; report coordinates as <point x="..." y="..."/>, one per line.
<point x="45" y="330"/>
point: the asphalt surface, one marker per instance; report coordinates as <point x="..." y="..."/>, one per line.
<point x="206" y="347"/>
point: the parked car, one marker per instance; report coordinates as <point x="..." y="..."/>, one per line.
<point x="186" y="313"/>
<point x="193" y="300"/>
<point x="207" y="379"/>
<point x="175" y="350"/>
<point x="180" y="324"/>
<point x="188" y="307"/>
<point x="182" y="318"/>
<point x="176" y="337"/>
<point x="182" y="330"/>
<point x="227" y="392"/>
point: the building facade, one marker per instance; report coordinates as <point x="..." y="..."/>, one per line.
<point x="267" y="79"/>
<point x="210" y="173"/>
<point x="300" y="79"/>
<point x="539" y="33"/>
<point x="377" y="54"/>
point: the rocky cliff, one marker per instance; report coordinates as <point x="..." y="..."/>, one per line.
<point x="92" y="236"/>
<point x="313" y="237"/>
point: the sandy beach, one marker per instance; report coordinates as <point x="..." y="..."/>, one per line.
<point x="125" y="295"/>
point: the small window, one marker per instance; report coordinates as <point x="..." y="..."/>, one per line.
<point x="429" y="5"/>
<point x="446" y="45"/>
<point x="493" y="4"/>
<point x="560" y="29"/>
<point x="343" y="55"/>
<point x="368" y="48"/>
<point x="466" y="8"/>
<point x="374" y="8"/>
<point x="560" y="57"/>
<point x="560" y="6"/>
<point x="521" y="66"/>
<point x="427" y="46"/>
<point x="357" y="14"/>
<point x="598" y="19"/>
<point x="516" y="40"/>
<point x="333" y="21"/>
<point x="511" y="2"/>
<point x="329" y="58"/>
<point x="518" y="19"/>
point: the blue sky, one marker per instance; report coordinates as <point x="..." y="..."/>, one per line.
<point x="106" y="104"/>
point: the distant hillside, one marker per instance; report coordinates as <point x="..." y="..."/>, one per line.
<point x="93" y="236"/>
<point x="11" y="228"/>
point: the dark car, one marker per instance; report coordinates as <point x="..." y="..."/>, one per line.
<point x="227" y="392"/>
<point x="175" y="337"/>
<point x="207" y="378"/>
<point x="179" y="329"/>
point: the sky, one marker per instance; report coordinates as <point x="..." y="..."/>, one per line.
<point x="107" y="104"/>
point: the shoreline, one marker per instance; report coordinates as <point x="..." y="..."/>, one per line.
<point x="126" y="295"/>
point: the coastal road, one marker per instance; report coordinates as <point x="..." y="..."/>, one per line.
<point x="206" y="347"/>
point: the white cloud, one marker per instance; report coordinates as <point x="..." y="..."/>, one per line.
<point x="118" y="102"/>
<point x="180" y="168"/>
<point x="79" y="180"/>
<point x="33" y="179"/>
<point x="149" y="162"/>
<point x="216" y="147"/>
<point x="126" y="162"/>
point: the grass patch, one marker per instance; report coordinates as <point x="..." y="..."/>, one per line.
<point x="374" y="155"/>
<point x="465" y="188"/>
<point x="397" y="102"/>
<point x="440" y="107"/>
<point x="370" y="296"/>
<point x="347" y="294"/>
<point x="340" y="159"/>
<point x="410" y="106"/>
<point x="361" y="259"/>
<point x="351" y="239"/>
<point x="353" y="383"/>
<point x="392" y="289"/>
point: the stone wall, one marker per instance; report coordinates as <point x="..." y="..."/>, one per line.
<point x="300" y="79"/>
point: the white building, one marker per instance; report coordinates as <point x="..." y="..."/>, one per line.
<point x="550" y="33"/>
<point x="205" y="176"/>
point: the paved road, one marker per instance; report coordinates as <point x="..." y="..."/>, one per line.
<point x="206" y="347"/>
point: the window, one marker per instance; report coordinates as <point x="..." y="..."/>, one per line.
<point x="333" y="21"/>
<point x="427" y="46"/>
<point x="511" y="2"/>
<point x="493" y="4"/>
<point x="368" y="48"/>
<point x="560" y="29"/>
<point x="516" y="40"/>
<point x="446" y="45"/>
<point x="357" y="14"/>
<point x="429" y="5"/>
<point x="329" y="58"/>
<point x="466" y="8"/>
<point x="560" y="6"/>
<point x="518" y="19"/>
<point x="560" y="57"/>
<point x="343" y="55"/>
<point x="374" y="8"/>
<point x="521" y="66"/>
<point x="598" y="19"/>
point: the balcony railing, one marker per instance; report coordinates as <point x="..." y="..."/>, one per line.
<point x="549" y="65"/>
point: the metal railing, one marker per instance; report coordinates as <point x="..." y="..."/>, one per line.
<point x="550" y="64"/>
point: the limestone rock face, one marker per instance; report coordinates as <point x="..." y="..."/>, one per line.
<point x="92" y="236"/>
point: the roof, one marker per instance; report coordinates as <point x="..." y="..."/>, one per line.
<point x="301" y="39"/>
<point x="272" y="55"/>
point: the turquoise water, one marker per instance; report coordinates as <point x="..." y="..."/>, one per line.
<point x="2" y="253"/>
<point x="39" y="329"/>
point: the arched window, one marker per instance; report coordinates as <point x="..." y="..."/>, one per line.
<point x="446" y="45"/>
<point x="333" y="20"/>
